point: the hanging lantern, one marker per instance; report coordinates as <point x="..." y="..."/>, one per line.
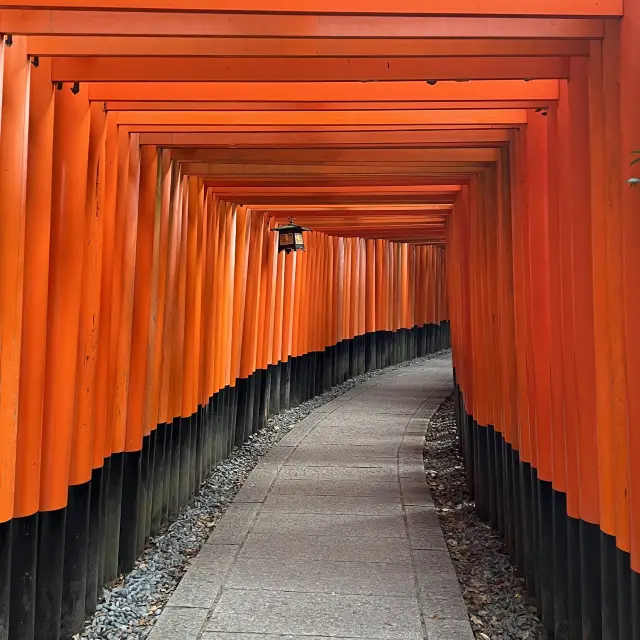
<point x="290" y="237"/>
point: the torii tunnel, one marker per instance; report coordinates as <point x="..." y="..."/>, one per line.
<point x="465" y="170"/>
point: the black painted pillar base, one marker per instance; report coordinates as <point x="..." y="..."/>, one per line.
<point x="635" y="604"/>
<point x="590" y="576"/>
<point x="160" y="470"/>
<point x="20" y="584"/>
<point x="609" y="586"/>
<point x="128" y="546"/>
<point x="265" y="393"/>
<point x="184" y="440"/>
<point x="49" y="579"/>
<point x="113" y="515"/>
<point x="5" y="578"/>
<point x="327" y="369"/>
<point x="285" y="385"/>
<point x="96" y="525"/>
<point x="275" y="394"/>
<point x="561" y="566"/>
<point x="625" y="609"/>
<point x="75" y="560"/>
<point x="545" y="554"/>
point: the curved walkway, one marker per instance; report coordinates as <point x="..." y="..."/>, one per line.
<point x="334" y="534"/>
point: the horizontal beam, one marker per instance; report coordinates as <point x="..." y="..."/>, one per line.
<point x="335" y="183"/>
<point x="320" y="106"/>
<point x="106" y="46"/>
<point x="401" y="7"/>
<point x="383" y="210"/>
<point x="329" y="139"/>
<point x="282" y="171"/>
<point x="270" y="118"/>
<point x="269" y="201"/>
<point x="346" y="189"/>
<point x="235" y="25"/>
<point x="496" y="90"/>
<point x="145" y="69"/>
<point x="343" y="156"/>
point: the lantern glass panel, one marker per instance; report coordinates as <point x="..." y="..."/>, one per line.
<point x="299" y="240"/>
<point x="286" y="240"/>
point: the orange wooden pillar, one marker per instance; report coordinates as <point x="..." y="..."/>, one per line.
<point x="609" y="330"/>
<point x="127" y="208"/>
<point x="102" y="442"/>
<point x="239" y="307"/>
<point x="630" y="203"/>
<point x="137" y="444"/>
<point x="559" y="368"/>
<point x="585" y="351"/>
<point x="165" y="402"/>
<point x="371" y="303"/>
<point x="84" y="484"/>
<point x="63" y="509"/>
<point x="188" y="419"/>
<point x="277" y="396"/>
<point x="539" y="278"/>
<point x="154" y="418"/>
<point x="248" y="331"/>
<point x="14" y="123"/>
<point x="32" y="365"/>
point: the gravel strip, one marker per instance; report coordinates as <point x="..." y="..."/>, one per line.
<point x="498" y="604"/>
<point x="129" y="608"/>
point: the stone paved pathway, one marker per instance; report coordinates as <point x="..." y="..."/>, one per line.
<point x="334" y="534"/>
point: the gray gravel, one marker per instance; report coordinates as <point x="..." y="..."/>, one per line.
<point x="128" y="609"/>
<point x="499" y="608"/>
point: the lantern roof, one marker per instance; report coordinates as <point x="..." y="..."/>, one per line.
<point x="290" y="227"/>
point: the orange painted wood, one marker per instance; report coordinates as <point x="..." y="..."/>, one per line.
<point x="165" y="406"/>
<point x="537" y="154"/>
<point x="35" y="297"/>
<point x="83" y="435"/>
<point x="479" y="91"/>
<point x="268" y="118"/>
<point x="583" y="295"/>
<point x="68" y="223"/>
<point x="617" y="292"/>
<point x="398" y="69"/>
<point x="142" y="298"/>
<point x="128" y="196"/>
<point x="103" y="400"/>
<point x="462" y="7"/>
<point x="243" y="235"/>
<point x="14" y="123"/>
<point x="105" y="46"/>
<point x="566" y="183"/>
<point x="140" y="23"/>
<point x="630" y="201"/>
<point x="161" y="297"/>
<point x="557" y="364"/>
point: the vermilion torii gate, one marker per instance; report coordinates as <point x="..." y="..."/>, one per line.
<point x="464" y="170"/>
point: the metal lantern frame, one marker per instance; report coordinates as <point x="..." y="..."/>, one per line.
<point x="290" y="237"/>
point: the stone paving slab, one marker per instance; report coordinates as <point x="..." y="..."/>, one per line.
<point x="343" y="455"/>
<point x="385" y="473"/>
<point x="345" y="525"/>
<point x="334" y="535"/>
<point x="355" y="616"/>
<point x="340" y="505"/>
<point x="336" y="487"/>
<point x="323" y="547"/>
<point x="322" y="576"/>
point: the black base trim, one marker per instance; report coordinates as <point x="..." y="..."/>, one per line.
<point x="581" y="581"/>
<point x="54" y="564"/>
